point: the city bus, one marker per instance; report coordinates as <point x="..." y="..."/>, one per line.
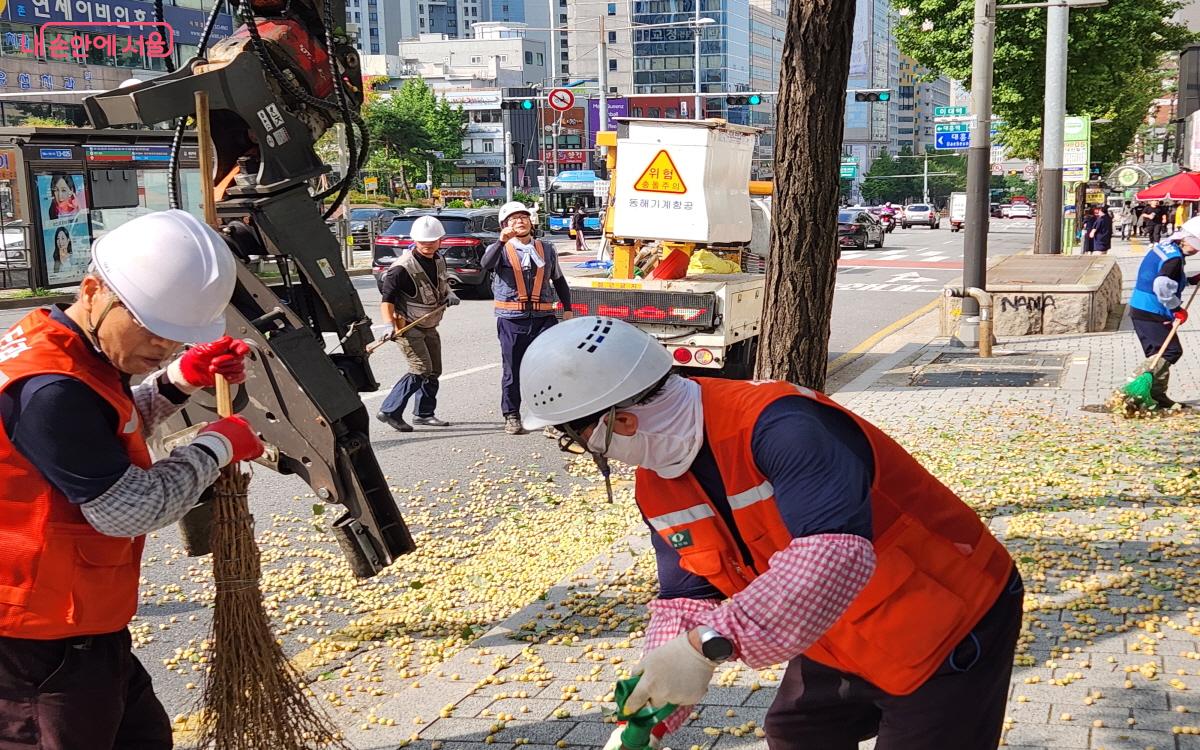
<point x="565" y="189"/>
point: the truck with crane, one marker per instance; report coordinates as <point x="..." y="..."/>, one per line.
<point x="681" y="189"/>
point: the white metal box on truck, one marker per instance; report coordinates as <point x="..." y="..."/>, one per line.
<point x="683" y="181"/>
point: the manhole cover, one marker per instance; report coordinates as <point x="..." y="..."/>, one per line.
<point x="954" y="370"/>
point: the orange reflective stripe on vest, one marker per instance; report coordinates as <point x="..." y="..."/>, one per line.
<point x="59" y="577"/>
<point x="526" y="300"/>
<point x="938" y="569"/>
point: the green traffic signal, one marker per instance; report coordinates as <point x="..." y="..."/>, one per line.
<point x="527" y="104"/>
<point x="755" y="99"/>
<point x="885" y="96"/>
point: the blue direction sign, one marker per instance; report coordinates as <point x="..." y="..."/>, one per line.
<point x="951" y="140"/>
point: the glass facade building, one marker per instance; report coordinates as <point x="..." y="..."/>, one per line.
<point x="663" y="58"/>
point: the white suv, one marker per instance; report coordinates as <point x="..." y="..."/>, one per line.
<point x="920" y="213"/>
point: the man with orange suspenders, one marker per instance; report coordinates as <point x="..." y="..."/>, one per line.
<point x="789" y="529"/>
<point x="527" y="284"/>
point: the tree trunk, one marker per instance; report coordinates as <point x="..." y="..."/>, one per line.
<point x="802" y="269"/>
<point x="404" y="183"/>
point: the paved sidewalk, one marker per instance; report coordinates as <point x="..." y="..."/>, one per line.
<point x="1101" y="515"/>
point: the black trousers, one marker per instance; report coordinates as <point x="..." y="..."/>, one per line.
<point x="961" y="707"/>
<point x="1156" y="230"/>
<point x="1151" y="335"/>
<point x="516" y="334"/>
<point x="78" y="694"/>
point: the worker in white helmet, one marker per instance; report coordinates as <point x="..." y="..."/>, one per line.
<point x="528" y="286"/>
<point x="78" y="488"/>
<point x="416" y="290"/>
<point x="788" y="529"/>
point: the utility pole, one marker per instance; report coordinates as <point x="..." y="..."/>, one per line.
<point x="978" y="167"/>
<point x="553" y="6"/>
<point x="696" y="31"/>
<point x="925" y="181"/>
<point x="1054" y="115"/>
<point x="602" y="72"/>
<point x="554" y="141"/>
<point x="508" y="161"/>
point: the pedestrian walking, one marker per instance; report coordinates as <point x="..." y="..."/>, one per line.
<point x="1102" y="230"/>
<point x="1126" y="222"/>
<point x="788" y="528"/>
<point x="1157" y="221"/>
<point x="527" y="284"/>
<point x="1157" y="302"/>
<point x="1089" y="223"/>
<point x="78" y="488"/>
<point x="416" y="289"/>
<point x="578" y="216"/>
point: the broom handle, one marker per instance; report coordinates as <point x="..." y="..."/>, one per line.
<point x="397" y="334"/>
<point x="209" y="201"/>
<point x="1174" y="327"/>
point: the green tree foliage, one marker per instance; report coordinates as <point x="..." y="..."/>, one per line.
<point x="1114" y="54"/>
<point x="883" y="184"/>
<point x="409" y="124"/>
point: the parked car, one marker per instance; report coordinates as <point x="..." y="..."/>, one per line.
<point x="1020" y="211"/>
<point x="1005" y="210"/>
<point x="859" y="228"/>
<point x="995" y="210"/>
<point x="922" y="214"/>
<point x="366" y="221"/>
<point x="468" y="233"/>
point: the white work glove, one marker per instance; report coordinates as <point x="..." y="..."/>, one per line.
<point x="452" y="300"/>
<point x="614" y="740"/>
<point x="673" y="673"/>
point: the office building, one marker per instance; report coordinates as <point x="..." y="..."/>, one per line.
<point x="873" y="127"/>
<point x="498" y="55"/>
<point x="768" y="27"/>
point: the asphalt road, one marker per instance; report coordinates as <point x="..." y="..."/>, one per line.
<point x="460" y="480"/>
<point x="878" y="286"/>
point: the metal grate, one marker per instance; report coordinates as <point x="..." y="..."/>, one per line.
<point x="953" y="370"/>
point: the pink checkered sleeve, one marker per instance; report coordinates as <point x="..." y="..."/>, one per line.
<point x="785" y="610"/>
<point x="669" y="618"/>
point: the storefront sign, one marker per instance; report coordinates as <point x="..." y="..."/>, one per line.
<point x="145" y="38"/>
<point x="574" y="156"/>
<point x="187" y="25"/>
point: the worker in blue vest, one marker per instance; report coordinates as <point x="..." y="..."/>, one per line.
<point x="1157" y="302"/>
<point x="527" y="284"/>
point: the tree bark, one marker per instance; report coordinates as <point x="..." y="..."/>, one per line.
<point x="404" y="182"/>
<point x="802" y="269"/>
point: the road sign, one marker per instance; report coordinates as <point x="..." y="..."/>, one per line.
<point x="1077" y="142"/>
<point x="949" y="111"/>
<point x="952" y="140"/>
<point x="1030" y="171"/>
<point x="660" y="176"/>
<point x="952" y="127"/>
<point x="848" y="172"/>
<point x="600" y="188"/>
<point x="371" y="184"/>
<point x="561" y="99"/>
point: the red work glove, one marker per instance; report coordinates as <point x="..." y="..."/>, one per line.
<point x="232" y="440"/>
<point x="1180" y="315"/>
<point x="225" y="356"/>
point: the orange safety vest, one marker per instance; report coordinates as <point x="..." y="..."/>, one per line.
<point x="59" y="577"/>
<point x="938" y="569"/>
<point x="527" y="300"/>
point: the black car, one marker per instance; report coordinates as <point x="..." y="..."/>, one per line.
<point x="468" y="233"/>
<point x="367" y="221"/>
<point x="858" y="228"/>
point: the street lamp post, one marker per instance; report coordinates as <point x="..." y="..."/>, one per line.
<point x="978" y="168"/>
<point x="696" y="32"/>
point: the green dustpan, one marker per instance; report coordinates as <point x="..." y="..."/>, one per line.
<point x="636" y="735"/>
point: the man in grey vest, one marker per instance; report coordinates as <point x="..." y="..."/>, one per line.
<point x="417" y="288"/>
<point x="527" y="284"/>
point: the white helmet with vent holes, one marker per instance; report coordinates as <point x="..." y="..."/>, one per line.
<point x="585" y="365"/>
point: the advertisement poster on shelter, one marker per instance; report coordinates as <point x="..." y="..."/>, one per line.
<point x="66" y="232"/>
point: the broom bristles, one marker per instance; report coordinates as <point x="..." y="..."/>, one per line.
<point x="253" y="696"/>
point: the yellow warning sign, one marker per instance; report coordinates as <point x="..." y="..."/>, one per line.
<point x="661" y="176"/>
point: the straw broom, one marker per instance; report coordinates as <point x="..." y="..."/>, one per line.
<point x="253" y="699"/>
<point x="1135" y="398"/>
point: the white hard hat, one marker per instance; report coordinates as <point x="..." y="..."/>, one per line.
<point x="583" y="366"/>
<point x="173" y="272"/>
<point x="513" y="207"/>
<point x="427" y="229"/>
<point x="1191" y="228"/>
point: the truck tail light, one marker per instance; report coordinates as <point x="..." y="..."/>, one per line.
<point x="704" y="357"/>
<point x="682" y="356"/>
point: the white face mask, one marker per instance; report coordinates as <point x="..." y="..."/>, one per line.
<point x="669" y="433"/>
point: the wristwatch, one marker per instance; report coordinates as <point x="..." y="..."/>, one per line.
<point x="714" y="646"/>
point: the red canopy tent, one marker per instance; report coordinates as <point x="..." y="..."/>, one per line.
<point x="1184" y="186"/>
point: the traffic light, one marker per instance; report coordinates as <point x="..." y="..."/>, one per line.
<point x="751" y="99"/>
<point x="873" y="95"/>
<point x="516" y="104"/>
